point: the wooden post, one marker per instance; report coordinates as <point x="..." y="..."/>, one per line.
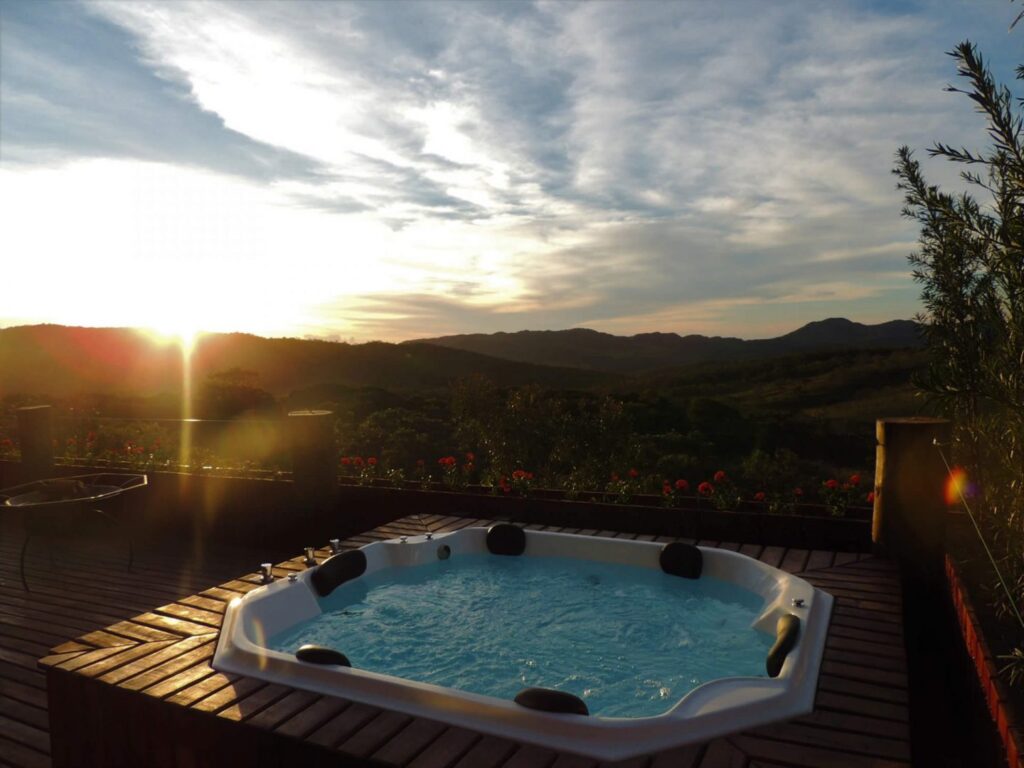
<point x="314" y="459"/>
<point x="35" y="436"/>
<point x="909" y="521"/>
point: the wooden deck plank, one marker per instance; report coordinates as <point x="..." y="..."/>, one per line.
<point x="33" y="716"/>
<point x="529" y="756"/>
<point x="683" y="757"/>
<point x="489" y="752"/>
<point x="312" y="717"/>
<point x="17" y="754"/>
<point x="446" y="749"/>
<point x="26" y="694"/>
<point x="795" y="560"/>
<point x="256" y="702"/>
<point x="806" y="756"/>
<point x="721" y="753"/>
<point x="225" y="696"/>
<point x="342" y="725"/>
<point x="820" y="559"/>
<point x="26" y="735"/>
<point x="282" y="709"/>
<point x="201" y="689"/>
<point x="772" y="556"/>
<point x="416" y="736"/>
<point x="375" y="733"/>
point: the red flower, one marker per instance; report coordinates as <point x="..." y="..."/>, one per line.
<point x="831" y="483"/>
<point x="759" y="496"/>
<point x="448" y="462"/>
<point x="504" y="485"/>
<point x="615" y="477"/>
<point x="358" y="461"/>
<point x="798" y="492"/>
<point x="91" y="437"/>
<point x="372" y="461"/>
<point x="847" y="487"/>
<point x="705" y="488"/>
<point x="633" y="473"/>
<point x="139" y="449"/>
<point x="345" y="461"/>
<point x="72" y="441"/>
<point x="666" y="488"/>
<point x="470" y="457"/>
<point x="720" y="476"/>
<point x="682" y="485"/>
<point x="854" y="480"/>
<point x="871" y="497"/>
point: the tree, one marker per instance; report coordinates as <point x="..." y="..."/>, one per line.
<point x="971" y="268"/>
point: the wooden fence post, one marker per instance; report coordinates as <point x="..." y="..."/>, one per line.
<point x="314" y="459"/>
<point x="35" y="437"/>
<point x="909" y="521"/>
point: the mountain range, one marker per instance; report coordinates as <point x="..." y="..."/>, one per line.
<point x="593" y="350"/>
<point x="59" y="360"/>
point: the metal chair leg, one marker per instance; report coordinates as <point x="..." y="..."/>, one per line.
<point x="24" y="549"/>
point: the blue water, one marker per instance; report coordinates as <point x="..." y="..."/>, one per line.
<point x="629" y="641"/>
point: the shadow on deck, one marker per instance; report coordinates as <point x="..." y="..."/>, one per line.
<point x="81" y="589"/>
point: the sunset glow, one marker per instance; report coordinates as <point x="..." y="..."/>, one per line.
<point x="416" y="169"/>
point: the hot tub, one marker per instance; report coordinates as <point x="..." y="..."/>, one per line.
<point x="608" y="648"/>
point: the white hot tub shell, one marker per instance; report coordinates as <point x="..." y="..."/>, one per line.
<point x="718" y="707"/>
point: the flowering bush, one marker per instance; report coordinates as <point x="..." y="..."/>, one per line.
<point x="675" y="493"/>
<point x="454" y="475"/>
<point x="8" y="448"/>
<point x="522" y="482"/>
<point x="721" y="491"/>
<point x="838" y="496"/>
<point x="623" y="489"/>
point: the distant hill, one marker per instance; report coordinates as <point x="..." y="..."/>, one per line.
<point x="593" y="350"/>
<point x="60" y="361"/>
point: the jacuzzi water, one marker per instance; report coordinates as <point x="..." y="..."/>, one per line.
<point x="629" y="641"/>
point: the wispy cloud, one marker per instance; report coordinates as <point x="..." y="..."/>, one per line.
<point x="491" y="166"/>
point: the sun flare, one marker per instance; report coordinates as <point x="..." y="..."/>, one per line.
<point x="172" y="332"/>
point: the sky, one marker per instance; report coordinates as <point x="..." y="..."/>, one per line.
<point x="391" y="170"/>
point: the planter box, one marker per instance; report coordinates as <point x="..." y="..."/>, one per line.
<point x="255" y="511"/>
<point x="993" y="688"/>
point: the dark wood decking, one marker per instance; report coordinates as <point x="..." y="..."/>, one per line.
<point x="82" y="590"/>
<point x="164" y="653"/>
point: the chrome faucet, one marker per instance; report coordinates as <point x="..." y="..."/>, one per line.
<point x="310" y="559"/>
<point x="266" y="573"/>
<point x="335" y="546"/>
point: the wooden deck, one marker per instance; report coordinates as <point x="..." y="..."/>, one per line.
<point x="164" y="653"/>
<point x="84" y="590"/>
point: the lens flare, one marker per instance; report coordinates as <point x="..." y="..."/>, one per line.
<point x="957" y="486"/>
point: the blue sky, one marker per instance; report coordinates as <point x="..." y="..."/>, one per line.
<point x="395" y="170"/>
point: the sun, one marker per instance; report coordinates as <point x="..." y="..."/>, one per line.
<point x="175" y="332"/>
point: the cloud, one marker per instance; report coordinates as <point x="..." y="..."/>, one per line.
<point x="72" y="87"/>
<point x="629" y="165"/>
